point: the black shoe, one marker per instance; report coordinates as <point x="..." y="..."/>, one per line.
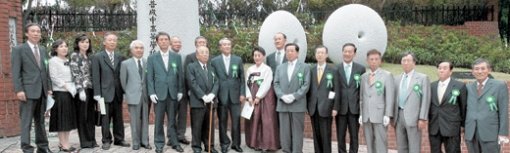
<point x="178" y="148"/>
<point x="184" y="141"/>
<point x="224" y="149"/>
<point x="147" y="147"/>
<point x="169" y="143"/>
<point x="135" y="147"/>
<point x="44" y="150"/>
<point x="106" y="146"/>
<point x="237" y="148"/>
<point x="212" y="150"/>
<point x="122" y="144"/>
<point x="159" y="150"/>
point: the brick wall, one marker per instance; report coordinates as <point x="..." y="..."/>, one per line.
<point x="479" y="28"/>
<point x="9" y="109"/>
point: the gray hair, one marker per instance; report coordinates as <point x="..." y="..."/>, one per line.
<point x="222" y="40"/>
<point x="135" y="42"/>
<point x="480" y="61"/>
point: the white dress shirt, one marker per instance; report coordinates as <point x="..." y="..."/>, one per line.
<point x="164" y="56"/>
<point x="226" y="61"/>
<point x="290" y="68"/>
<point x="441" y="88"/>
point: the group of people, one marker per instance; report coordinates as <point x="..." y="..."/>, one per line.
<point x="282" y="90"/>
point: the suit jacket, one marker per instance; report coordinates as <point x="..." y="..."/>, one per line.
<point x="27" y="75"/>
<point x="318" y="94"/>
<point x="161" y="81"/>
<point x="377" y="103"/>
<point x="271" y="61"/>
<point x="200" y="84"/>
<point x="131" y="81"/>
<point x="284" y="86"/>
<point x="232" y="87"/>
<point x="417" y="105"/>
<point x="447" y="116"/>
<point x="105" y="76"/>
<point x="350" y="93"/>
<point x="489" y="124"/>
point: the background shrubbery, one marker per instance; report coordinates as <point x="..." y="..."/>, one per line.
<point x="430" y="43"/>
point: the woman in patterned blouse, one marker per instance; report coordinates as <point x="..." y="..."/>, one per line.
<point x="86" y="109"/>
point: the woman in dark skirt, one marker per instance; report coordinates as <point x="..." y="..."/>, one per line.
<point x="262" y="128"/>
<point x="86" y="108"/>
<point x="63" y="115"/>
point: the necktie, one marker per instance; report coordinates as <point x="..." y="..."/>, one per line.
<point x="111" y="58"/>
<point x="480" y="89"/>
<point x="37" y="56"/>
<point x="278" y="58"/>
<point x="319" y="75"/>
<point x="371" y="79"/>
<point x="348" y="73"/>
<point x="403" y="92"/>
<point x="441" y="91"/>
<point x="140" y="69"/>
<point x="205" y="71"/>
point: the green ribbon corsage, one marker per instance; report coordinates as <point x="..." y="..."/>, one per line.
<point x="453" y="98"/>
<point x="492" y="103"/>
<point x="357" y="78"/>
<point x="300" y="78"/>
<point x="234" y="70"/>
<point x="174" y="66"/>
<point x="46" y="63"/>
<point x="417" y="89"/>
<point x="379" y="87"/>
<point x="329" y="78"/>
<point x="259" y="81"/>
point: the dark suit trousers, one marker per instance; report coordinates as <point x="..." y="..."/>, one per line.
<point x="342" y="123"/>
<point x="235" y="115"/>
<point x="114" y="114"/>
<point x="181" y="116"/>
<point x="321" y="127"/>
<point x="478" y="146"/>
<point x="452" y="144"/>
<point x="200" y="127"/>
<point x="161" y="108"/>
<point x="86" y="120"/>
<point x="33" y="109"/>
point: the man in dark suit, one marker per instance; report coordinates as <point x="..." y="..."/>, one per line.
<point x="322" y="99"/>
<point x="447" y="110"/>
<point x="291" y="84"/>
<point x="230" y="71"/>
<point x="278" y="57"/>
<point x="107" y="87"/>
<point x="165" y="87"/>
<point x="31" y="84"/>
<point x="182" y="107"/>
<point x="190" y="58"/>
<point x="133" y="81"/>
<point x="486" y="127"/>
<point x="204" y="86"/>
<point x="350" y="81"/>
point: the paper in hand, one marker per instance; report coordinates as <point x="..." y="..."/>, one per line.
<point x="247" y="110"/>
<point x="49" y="102"/>
<point x="102" y="107"/>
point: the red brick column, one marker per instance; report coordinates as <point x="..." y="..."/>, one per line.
<point x="9" y="109"/>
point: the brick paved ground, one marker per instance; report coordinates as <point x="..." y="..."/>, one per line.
<point x="11" y="145"/>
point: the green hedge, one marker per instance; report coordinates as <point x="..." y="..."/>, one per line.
<point x="431" y="44"/>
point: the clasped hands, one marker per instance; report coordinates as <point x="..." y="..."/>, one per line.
<point x="288" y="98"/>
<point x="208" y="98"/>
